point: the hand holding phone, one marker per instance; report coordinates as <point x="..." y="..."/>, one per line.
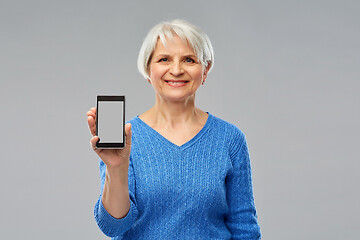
<point x="111" y="157"/>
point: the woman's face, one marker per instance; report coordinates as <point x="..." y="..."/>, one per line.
<point x="175" y="72"/>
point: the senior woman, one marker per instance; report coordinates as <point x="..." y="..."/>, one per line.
<point x="184" y="173"/>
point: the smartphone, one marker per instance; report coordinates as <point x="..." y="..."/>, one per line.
<point x="110" y="121"/>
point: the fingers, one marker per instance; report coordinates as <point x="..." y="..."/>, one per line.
<point x="91" y="120"/>
<point x="92" y="112"/>
<point x="92" y="125"/>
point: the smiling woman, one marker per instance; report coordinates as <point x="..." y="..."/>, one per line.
<point x="175" y="71"/>
<point x="184" y="173"/>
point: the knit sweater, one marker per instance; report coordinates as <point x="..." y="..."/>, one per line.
<point x="199" y="190"/>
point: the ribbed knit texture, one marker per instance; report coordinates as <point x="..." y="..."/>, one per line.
<point x="200" y="190"/>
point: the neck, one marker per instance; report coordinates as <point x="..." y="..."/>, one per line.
<point x="174" y="114"/>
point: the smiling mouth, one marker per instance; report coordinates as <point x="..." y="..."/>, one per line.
<point x="176" y="82"/>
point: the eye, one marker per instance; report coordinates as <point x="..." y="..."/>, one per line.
<point x="163" y="60"/>
<point x="189" y="60"/>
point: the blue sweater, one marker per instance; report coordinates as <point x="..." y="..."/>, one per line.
<point x="199" y="190"/>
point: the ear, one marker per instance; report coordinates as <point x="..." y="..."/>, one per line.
<point x="149" y="81"/>
<point x="206" y="70"/>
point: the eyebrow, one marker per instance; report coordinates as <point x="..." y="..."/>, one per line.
<point x="168" y="55"/>
<point x="162" y="55"/>
<point x="190" y="55"/>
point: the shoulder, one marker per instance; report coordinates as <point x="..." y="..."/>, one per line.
<point x="133" y="120"/>
<point x="228" y="128"/>
<point x="136" y="123"/>
<point x="233" y="135"/>
<point x="141" y="133"/>
<point x="139" y="130"/>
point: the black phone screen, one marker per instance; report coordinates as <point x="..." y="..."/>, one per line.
<point x="110" y="121"/>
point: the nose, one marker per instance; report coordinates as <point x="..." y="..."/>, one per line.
<point x="176" y="69"/>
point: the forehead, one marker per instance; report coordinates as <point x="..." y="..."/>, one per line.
<point x="173" y="45"/>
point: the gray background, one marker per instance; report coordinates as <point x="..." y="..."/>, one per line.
<point x="286" y="72"/>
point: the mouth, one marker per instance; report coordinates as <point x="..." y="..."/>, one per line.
<point x="176" y="82"/>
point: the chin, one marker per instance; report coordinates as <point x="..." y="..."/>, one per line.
<point x="178" y="97"/>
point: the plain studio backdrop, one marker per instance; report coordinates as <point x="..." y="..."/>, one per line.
<point x="286" y="73"/>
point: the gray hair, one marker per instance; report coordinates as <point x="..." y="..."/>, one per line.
<point x="196" y="38"/>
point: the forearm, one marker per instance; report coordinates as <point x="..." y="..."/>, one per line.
<point x="115" y="197"/>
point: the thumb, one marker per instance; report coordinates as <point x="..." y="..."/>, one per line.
<point x="128" y="133"/>
<point x="93" y="142"/>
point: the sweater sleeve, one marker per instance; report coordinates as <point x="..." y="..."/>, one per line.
<point x="109" y="225"/>
<point x="242" y="218"/>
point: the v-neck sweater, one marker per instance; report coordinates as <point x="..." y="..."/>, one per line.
<point x="199" y="190"/>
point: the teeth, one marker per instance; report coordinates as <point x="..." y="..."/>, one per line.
<point x="176" y="82"/>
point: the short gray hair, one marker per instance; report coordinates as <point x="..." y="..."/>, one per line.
<point x="196" y="38"/>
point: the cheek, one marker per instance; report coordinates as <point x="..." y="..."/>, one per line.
<point x="198" y="74"/>
<point x="156" y="72"/>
